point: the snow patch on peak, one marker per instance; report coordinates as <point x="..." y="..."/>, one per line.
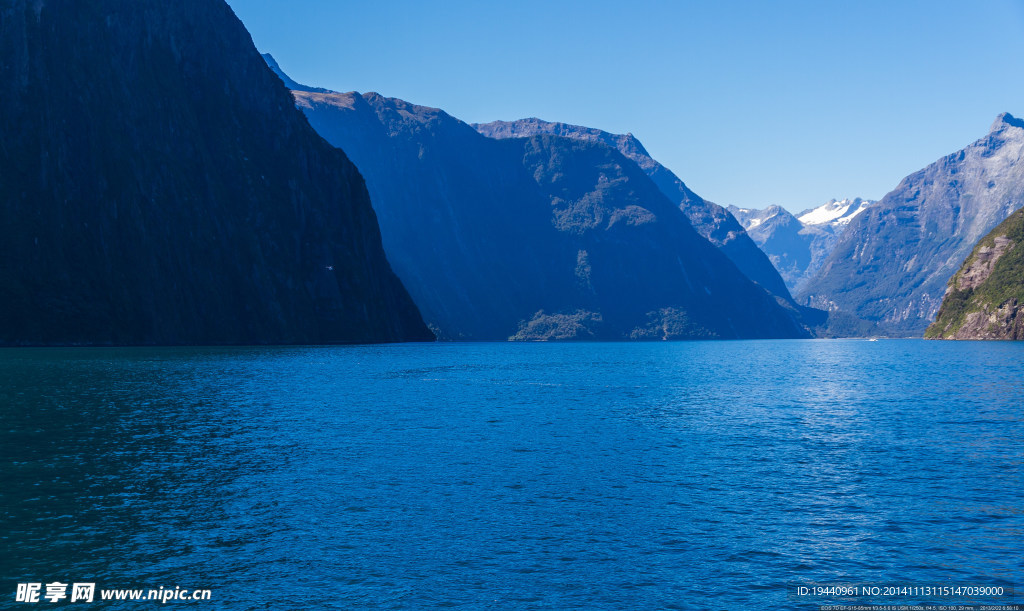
<point x="835" y="212"/>
<point x="751" y="217"/>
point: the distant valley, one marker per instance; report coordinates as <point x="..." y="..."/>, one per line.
<point x="798" y="244"/>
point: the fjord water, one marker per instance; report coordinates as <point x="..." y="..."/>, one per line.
<point x="690" y="475"/>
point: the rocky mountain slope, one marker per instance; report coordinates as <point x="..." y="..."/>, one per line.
<point x="892" y="263"/>
<point x="797" y="245"/>
<point x="157" y="186"/>
<point x="985" y="298"/>
<point x="710" y="220"/>
<point x="536" y="238"/>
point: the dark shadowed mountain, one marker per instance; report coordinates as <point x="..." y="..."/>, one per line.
<point x="985" y="299"/>
<point x="536" y="238"/>
<point x="891" y="265"/>
<point x="157" y="186"/>
<point x="709" y="219"/>
<point x="798" y="245"/>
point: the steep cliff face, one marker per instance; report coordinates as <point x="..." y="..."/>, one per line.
<point x="710" y="220"/>
<point x="157" y="186"/>
<point x="536" y="238"/>
<point x="985" y="298"/>
<point x="890" y="266"/>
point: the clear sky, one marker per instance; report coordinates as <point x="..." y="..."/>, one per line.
<point x="750" y="103"/>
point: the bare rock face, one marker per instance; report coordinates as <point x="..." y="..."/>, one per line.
<point x="982" y="264"/>
<point x="891" y="265"/>
<point x="157" y="186"/>
<point x="1006" y="322"/>
<point x="985" y="299"/>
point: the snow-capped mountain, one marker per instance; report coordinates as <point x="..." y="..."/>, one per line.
<point x="834" y="212"/>
<point x="891" y="265"/>
<point x="798" y="244"/>
<point x="751" y="218"/>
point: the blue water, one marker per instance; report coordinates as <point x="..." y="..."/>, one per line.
<point x="690" y="475"/>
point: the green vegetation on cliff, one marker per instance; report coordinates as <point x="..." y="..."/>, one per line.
<point x="986" y="295"/>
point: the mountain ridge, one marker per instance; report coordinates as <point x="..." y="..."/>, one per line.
<point x="797" y="248"/>
<point x="712" y="221"/>
<point x="834" y="212"/>
<point x="891" y="264"/>
<point x="545" y="237"/>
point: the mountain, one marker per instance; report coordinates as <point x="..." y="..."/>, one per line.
<point x="798" y="245"/>
<point x="783" y="238"/>
<point x="891" y="265"/>
<point x="536" y="238"/>
<point x="834" y="213"/>
<point x="157" y="186"/>
<point x="985" y="298"/>
<point x="709" y="219"/>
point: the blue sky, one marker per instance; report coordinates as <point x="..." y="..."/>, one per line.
<point x="750" y="103"/>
